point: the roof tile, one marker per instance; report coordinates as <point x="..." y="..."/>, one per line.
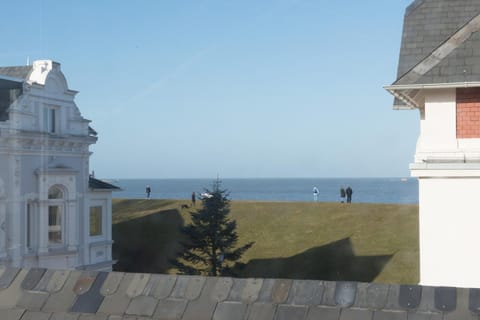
<point x="290" y="312"/>
<point x="32" y="300"/>
<point x="280" y="290"/>
<point x="265" y="294"/>
<point x="424" y="316"/>
<point x="461" y="311"/>
<point x="32" y="278"/>
<point x="315" y="313"/>
<point x="64" y="316"/>
<point x="246" y="290"/>
<point x="7" y="277"/>
<point x="474" y="300"/>
<point x="58" y="280"/>
<point x="230" y="311"/>
<point x="345" y="293"/>
<point x="118" y="302"/>
<point x="410" y="296"/>
<point x="9" y="297"/>
<point x="221" y="289"/>
<point x="62" y="300"/>
<point x="445" y="298"/>
<point x="137" y="284"/>
<point x="261" y="311"/>
<point x="11" y="314"/>
<point x="329" y="293"/>
<point x="142" y="306"/>
<point x="164" y="286"/>
<point x="306" y="292"/>
<point x="199" y="310"/>
<point x="170" y="309"/>
<point x="371" y="295"/>
<point x="42" y="284"/>
<point x="356" y="314"/>
<point x="112" y="282"/>
<point x="389" y="315"/>
<point x="90" y="301"/>
<point x="36" y="315"/>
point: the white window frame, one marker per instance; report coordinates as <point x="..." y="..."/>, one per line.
<point x="59" y="203"/>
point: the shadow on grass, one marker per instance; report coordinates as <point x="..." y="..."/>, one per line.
<point x="146" y="244"/>
<point x="335" y="261"/>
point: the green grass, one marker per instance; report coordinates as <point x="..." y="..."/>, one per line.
<point x="327" y="241"/>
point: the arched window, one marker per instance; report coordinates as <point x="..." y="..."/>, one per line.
<point x="55" y="215"/>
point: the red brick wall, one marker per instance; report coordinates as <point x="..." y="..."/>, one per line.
<point x="468" y="113"/>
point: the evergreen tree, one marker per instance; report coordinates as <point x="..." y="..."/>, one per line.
<point x="211" y="237"/>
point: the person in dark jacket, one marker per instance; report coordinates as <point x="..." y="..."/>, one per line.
<point x="342" y="195"/>
<point x="349" y="192"/>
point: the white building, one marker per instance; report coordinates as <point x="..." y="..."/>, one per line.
<point x="52" y="214"/>
<point x="439" y="75"/>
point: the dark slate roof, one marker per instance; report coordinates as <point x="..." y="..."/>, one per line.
<point x="59" y="294"/>
<point x="99" y="184"/>
<point x="441" y="40"/>
<point x="21" y="72"/>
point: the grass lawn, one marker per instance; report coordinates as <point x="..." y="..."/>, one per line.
<point x="298" y="240"/>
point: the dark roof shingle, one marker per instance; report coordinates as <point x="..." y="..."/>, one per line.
<point x="20" y="72"/>
<point x="429" y="24"/>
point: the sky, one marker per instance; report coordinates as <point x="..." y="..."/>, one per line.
<point x="228" y="88"/>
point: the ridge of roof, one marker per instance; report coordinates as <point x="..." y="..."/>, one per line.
<point x="40" y="293"/>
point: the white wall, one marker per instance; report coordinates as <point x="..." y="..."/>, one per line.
<point x="449" y="232"/>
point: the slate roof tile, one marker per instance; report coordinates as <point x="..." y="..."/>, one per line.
<point x="90" y="301"/>
<point x="324" y="313"/>
<point x="137" y="296"/>
<point x="345" y="293"/>
<point x="112" y="282"/>
<point x="280" y="290"/>
<point x="169" y="309"/>
<point x="10" y="295"/>
<point x="371" y="296"/>
<point x="20" y="72"/>
<point x="118" y="302"/>
<point x="36" y="315"/>
<point x="142" y="306"/>
<point x="62" y="300"/>
<point x="11" y="314"/>
<point x="230" y="311"/>
<point x="261" y="311"/>
<point x="163" y="286"/>
<point x="356" y="314"/>
<point x="306" y="292"/>
<point x="290" y="312"/>
<point x="389" y="315"/>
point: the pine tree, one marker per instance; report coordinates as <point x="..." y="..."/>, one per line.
<point x="211" y="237"/>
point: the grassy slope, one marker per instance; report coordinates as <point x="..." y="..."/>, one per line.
<point x="329" y="241"/>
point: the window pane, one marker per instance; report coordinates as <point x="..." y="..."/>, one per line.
<point x="96" y="221"/>
<point x="55" y="193"/>
<point x="54" y="224"/>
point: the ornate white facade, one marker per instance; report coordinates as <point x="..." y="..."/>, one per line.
<point x="52" y="214"/>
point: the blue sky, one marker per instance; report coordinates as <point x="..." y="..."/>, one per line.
<point x="238" y="88"/>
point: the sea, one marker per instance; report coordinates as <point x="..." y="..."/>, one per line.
<point x="365" y="190"/>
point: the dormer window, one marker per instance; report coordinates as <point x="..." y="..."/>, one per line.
<point x="50" y="119"/>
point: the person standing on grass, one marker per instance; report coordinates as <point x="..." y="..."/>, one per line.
<point x="193" y="199"/>
<point x="315" y="194"/>
<point x="342" y="195"/>
<point x="148" y="190"/>
<point x="349" y="192"/>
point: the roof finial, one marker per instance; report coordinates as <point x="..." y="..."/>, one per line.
<point x="28" y="60"/>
